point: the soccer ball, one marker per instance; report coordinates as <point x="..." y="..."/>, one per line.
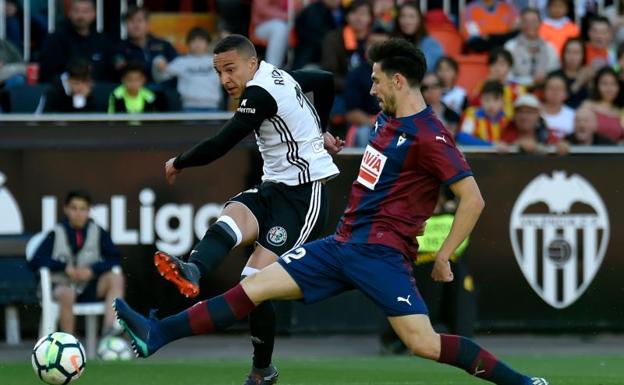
<point x="58" y="358"/>
<point x="113" y="349"/>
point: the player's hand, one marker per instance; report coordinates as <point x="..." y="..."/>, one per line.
<point x="72" y="273"/>
<point x="333" y="145"/>
<point x="170" y="171"/>
<point x="442" y="270"/>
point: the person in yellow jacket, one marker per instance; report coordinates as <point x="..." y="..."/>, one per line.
<point x="131" y="96"/>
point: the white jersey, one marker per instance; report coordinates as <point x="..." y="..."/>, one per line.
<point x="291" y="141"/>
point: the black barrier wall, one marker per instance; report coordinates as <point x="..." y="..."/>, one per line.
<point x="546" y="254"/>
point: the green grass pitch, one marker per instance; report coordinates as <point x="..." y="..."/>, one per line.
<point x="560" y="370"/>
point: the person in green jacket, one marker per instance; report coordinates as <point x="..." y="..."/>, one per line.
<point x="131" y="96"/>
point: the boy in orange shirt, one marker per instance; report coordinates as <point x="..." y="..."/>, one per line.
<point x="557" y="28"/>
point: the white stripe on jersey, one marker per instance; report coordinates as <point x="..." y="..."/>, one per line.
<point x="291" y="142"/>
<point x="312" y="215"/>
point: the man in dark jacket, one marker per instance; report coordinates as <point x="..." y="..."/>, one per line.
<point x="77" y="39"/>
<point x="141" y="46"/>
<point x="83" y="261"/>
<point x="312" y="24"/>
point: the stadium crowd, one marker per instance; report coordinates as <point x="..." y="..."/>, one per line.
<point x="501" y="73"/>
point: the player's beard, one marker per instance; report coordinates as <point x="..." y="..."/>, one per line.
<point x="388" y="105"/>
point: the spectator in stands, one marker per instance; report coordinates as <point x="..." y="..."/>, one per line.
<point x="14" y="24"/>
<point x="585" y="130"/>
<point x="344" y="49"/>
<point x="198" y="82"/>
<point x="71" y="91"/>
<point x="558" y="117"/>
<point x="77" y="39"/>
<point x="269" y="21"/>
<point x="410" y="26"/>
<point x="488" y="23"/>
<point x="487" y="121"/>
<point x="620" y="61"/>
<point x="527" y="129"/>
<point x="606" y="102"/>
<point x="533" y="57"/>
<point x="83" y="261"/>
<point x="557" y="28"/>
<point x="131" y="97"/>
<point x="615" y="14"/>
<point x="597" y="49"/>
<point x="141" y="45"/>
<point x="384" y="14"/>
<point x="431" y="87"/>
<point x="500" y="63"/>
<point x="453" y="96"/>
<point x="574" y="70"/>
<point x="12" y="67"/>
<point x="361" y="106"/>
<point x="312" y="25"/>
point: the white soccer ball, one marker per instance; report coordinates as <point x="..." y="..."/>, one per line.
<point x="58" y="358"/>
<point x="114" y="349"/>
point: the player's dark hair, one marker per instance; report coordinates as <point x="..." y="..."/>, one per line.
<point x="492" y="87"/>
<point x="500" y="53"/>
<point x="134" y="66"/>
<point x="198" y="33"/>
<point x="134" y="10"/>
<point x="78" y="194"/>
<point x="79" y="68"/>
<point x="448" y="60"/>
<point x="399" y="56"/>
<point x="236" y="42"/>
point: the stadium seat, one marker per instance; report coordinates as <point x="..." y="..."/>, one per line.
<point x="442" y="29"/>
<point x="472" y="70"/>
<point x="101" y="93"/>
<point x="50" y="309"/>
<point x="25" y="99"/>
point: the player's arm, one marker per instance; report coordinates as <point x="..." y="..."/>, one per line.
<point x="259" y="105"/>
<point x="321" y="84"/>
<point x="468" y="211"/>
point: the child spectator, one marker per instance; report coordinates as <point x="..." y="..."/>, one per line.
<point x="71" y="91"/>
<point x="606" y="103"/>
<point x="574" y="70"/>
<point x="131" y="96"/>
<point x="557" y="28"/>
<point x="454" y="96"/>
<point x="558" y="117"/>
<point x="487" y="121"/>
<point x="410" y="26"/>
<point x="500" y="63"/>
<point x="198" y="82"/>
<point x="597" y="51"/>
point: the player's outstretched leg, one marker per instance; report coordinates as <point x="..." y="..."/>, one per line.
<point x="418" y="335"/>
<point x="205" y="317"/>
<point x="234" y="227"/>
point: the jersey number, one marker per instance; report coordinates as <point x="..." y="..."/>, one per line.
<point x="301" y="98"/>
<point x="296" y="254"/>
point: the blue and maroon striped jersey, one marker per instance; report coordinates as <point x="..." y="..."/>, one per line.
<point x="404" y="164"/>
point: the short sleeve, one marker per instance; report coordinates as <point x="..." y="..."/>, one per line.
<point x="441" y="157"/>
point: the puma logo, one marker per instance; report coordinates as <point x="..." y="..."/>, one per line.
<point x="440" y="138"/>
<point x="401" y="299"/>
<point x="477" y="370"/>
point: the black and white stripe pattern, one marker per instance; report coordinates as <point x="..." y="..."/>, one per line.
<point x="312" y="215"/>
<point x="293" y="149"/>
<point x="314" y="113"/>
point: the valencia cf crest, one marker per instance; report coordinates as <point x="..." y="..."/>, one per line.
<point x="277" y="236"/>
<point x="559" y="231"/>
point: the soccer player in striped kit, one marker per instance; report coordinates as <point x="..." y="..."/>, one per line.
<point x="409" y="156"/>
<point x="290" y="206"/>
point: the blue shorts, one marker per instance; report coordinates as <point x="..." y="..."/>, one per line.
<point x="327" y="267"/>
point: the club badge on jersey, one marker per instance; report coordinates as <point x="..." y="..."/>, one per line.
<point x="372" y="166"/>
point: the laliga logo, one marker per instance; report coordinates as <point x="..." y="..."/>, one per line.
<point x="11" y="222"/>
<point x="559" y="231"/>
<point x="171" y="227"/>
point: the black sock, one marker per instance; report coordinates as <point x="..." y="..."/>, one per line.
<point x="210" y="252"/>
<point x="262" y="327"/>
